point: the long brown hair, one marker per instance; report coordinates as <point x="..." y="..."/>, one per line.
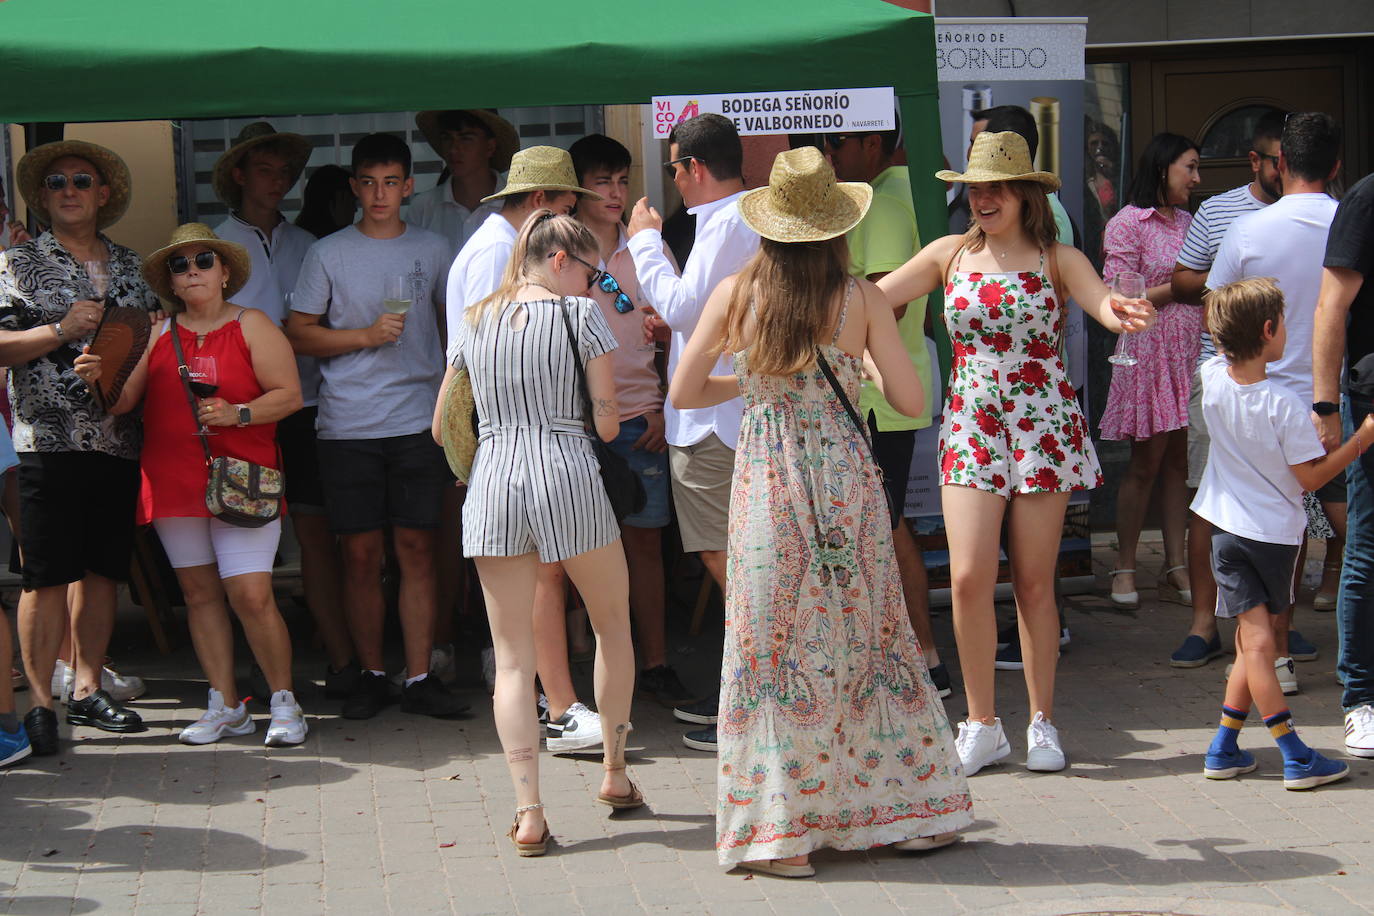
<point x="1037" y="218"/>
<point x="791" y="285"/>
<point x="543" y="234"/>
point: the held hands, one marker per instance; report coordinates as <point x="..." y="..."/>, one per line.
<point x="386" y="329"/>
<point x="1329" y="430"/>
<point x="81" y="319"/>
<point x="217" y="412"/>
<point x="644" y="217"/>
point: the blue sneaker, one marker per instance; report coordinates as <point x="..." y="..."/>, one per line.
<point x="14" y="746"/>
<point x="1228" y="764"/>
<point x="1196" y="652"/>
<point x="1299" y="649"/>
<point x="1313" y="772"/>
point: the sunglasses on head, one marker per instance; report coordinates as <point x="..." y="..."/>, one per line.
<point x="179" y="263"/>
<point x="81" y="181"/>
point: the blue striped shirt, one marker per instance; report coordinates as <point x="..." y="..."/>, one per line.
<point x="1213" y="218"/>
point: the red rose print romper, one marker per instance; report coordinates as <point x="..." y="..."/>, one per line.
<point x="1012" y="424"/>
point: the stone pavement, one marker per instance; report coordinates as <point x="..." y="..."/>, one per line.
<point x="407" y="816"/>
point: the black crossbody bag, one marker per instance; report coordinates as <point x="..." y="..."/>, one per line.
<point x="894" y="510"/>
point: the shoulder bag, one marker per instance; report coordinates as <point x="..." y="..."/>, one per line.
<point x="894" y="510"/>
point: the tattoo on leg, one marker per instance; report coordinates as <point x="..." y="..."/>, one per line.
<point x="619" y="747"/>
<point x="520" y="755"/>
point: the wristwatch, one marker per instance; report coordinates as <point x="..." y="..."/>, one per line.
<point x="245" y="414"/>
<point x="57" y="326"/>
<point x="1325" y="408"/>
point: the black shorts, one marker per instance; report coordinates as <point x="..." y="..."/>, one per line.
<point x="893" y="451"/>
<point x="76" y="515"/>
<point x="1333" y="491"/>
<point x="1250" y="573"/>
<point x="301" y="462"/>
<point x="371" y="483"/>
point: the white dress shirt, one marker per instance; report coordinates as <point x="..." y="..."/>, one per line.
<point x="437" y="211"/>
<point x="477" y="271"/>
<point x="724" y="244"/>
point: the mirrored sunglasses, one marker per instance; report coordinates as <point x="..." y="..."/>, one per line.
<point x="81" y="181"/>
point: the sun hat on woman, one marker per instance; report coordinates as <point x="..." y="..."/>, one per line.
<point x="1001" y="156"/>
<point x="158" y="274"/>
<point x="33" y="169"/>
<point x="803" y="202"/>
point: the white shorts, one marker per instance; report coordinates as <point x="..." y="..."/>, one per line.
<point x="209" y="541"/>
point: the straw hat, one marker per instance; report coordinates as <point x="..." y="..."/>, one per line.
<point x="1001" y="156"/>
<point x="33" y="168"/>
<point x="456" y="425"/>
<point x="159" y="276"/>
<point x="803" y="202"/>
<point x="541" y="168"/>
<point x="431" y="124"/>
<point x="297" y="150"/>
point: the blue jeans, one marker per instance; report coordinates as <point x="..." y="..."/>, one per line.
<point x="1355" y="603"/>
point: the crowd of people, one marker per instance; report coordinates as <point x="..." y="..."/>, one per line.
<point x="319" y="351"/>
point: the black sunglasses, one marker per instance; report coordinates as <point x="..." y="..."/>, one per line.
<point x="179" y="263"/>
<point x="835" y="141"/>
<point x="672" y="173"/>
<point x="1264" y="156"/>
<point x="81" y="181"/>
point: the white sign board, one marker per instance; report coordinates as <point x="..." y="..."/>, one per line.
<point x="1003" y="49"/>
<point x="805" y="111"/>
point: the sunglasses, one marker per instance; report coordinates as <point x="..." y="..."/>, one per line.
<point x="672" y="172"/>
<point x="835" y="141"/>
<point x="81" y="181"/>
<point x="179" y="263"/>
<point x="1264" y="156"/>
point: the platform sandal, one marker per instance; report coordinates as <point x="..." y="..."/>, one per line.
<point x="529" y="850"/>
<point x="621" y="802"/>
<point x="1128" y="600"/>
<point x="1170" y="592"/>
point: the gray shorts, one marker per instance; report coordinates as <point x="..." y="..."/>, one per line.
<point x="1250" y="573"/>
<point x="701" y="492"/>
<point x="1199" y="443"/>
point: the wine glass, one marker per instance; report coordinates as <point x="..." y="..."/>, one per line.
<point x="98" y="276"/>
<point x="397" y="298"/>
<point x="1127" y="285"/>
<point x="203" y="374"/>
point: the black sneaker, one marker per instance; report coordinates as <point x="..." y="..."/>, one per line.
<point x="703" y="740"/>
<point x="1009" y="657"/>
<point x="939" y="676"/>
<point x="339" y="684"/>
<point x="663" y="684"/>
<point x="371" y="694"/>
<point x="702" y="712"/>
<point x="1008" y="635"/>
<point x="100" y="711"/>
<point x="41" y="724"/>
<point x="429" y="697"/>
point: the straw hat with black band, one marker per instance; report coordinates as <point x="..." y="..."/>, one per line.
<point x="231" y="254"/>
<point x="803" y="202"/>
<point x="1001" y="156"/>
<point x="432" y="125"/>
<point x="541" y="168"/>
<point x="34" y="167"/>
<point x="295" y="147"/>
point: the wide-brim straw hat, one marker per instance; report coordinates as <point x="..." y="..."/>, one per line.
<point x="431" y="124"/>
<point x="803" y="202"/>
<point x="296" y="148"/>
<point x="33" y="168"/>
<point x="1001" y="156"/>
<point x="541" y="168"/>
<point x="159" y="276"/>
<point x="456" y="425"/>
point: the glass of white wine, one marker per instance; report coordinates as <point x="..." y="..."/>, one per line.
<point x="1127" y="285"/>
<point x="397" y="298"/>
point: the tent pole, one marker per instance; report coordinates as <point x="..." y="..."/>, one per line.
<point x="925" y="157"/>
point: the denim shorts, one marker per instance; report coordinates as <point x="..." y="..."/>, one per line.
<point x="652" y="468"/>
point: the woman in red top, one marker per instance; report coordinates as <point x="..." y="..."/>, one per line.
<point x="247" y="356"/>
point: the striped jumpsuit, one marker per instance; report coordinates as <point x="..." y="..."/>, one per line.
<point x="535" y="482"/>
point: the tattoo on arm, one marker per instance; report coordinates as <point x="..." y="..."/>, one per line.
<point x="520" y="755"/>
<point x="604" y="407"/>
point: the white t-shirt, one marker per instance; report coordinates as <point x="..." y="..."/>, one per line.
<point x="1257" y="431"/>
<point x="437" y="211"/>
<point x="476" y="272"/>
<point x="1286" y="240"/>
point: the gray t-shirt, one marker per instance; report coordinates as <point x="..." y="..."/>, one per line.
<point x="389" y="390"/>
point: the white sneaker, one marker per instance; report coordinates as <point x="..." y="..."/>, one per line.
<point x="578" y="729"/>
<point x="1284" y="669"/>
<point x="980" y="745"/>
<point x="288" y="721"/>
<point x="218" y="721"/>
<point x="121" y="688"/>
<point x="1359" y="731"/>
<point x="1043" y="753"/>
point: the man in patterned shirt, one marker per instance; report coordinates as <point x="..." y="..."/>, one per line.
<point x="78" y="470"/>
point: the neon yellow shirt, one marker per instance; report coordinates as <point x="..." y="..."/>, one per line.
<point x="885" y="240"/>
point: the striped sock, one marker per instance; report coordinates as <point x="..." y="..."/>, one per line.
<point x="1232" y="721"/>
<point x="1280" y="725"/>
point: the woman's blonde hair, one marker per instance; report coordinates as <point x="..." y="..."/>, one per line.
<point x="543" y="234"/>
<point x="1037" y="218"/>
<point x="791" y="286"/>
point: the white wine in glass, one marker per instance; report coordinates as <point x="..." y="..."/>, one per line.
<point x="397" y="299"/>
<point x="1127" y="285"/>
<point x="98" y="274"/>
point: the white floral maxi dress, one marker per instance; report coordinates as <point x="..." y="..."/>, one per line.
<point x="830" y="732"/>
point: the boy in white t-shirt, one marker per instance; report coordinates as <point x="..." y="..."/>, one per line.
<point x="1264" y="454"/>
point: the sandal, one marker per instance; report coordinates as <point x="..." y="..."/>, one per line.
<point x="777" y="869"/>
<point x="621" y="802"/>
<point x="926" y="843"/>
<point x="1170" y="592"/>
<point x="1128" y="600"/>
<point x="528" y="850"/>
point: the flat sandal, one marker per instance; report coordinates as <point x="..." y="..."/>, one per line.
<point x="622" y="802"/>
<point x="529" y="850"/>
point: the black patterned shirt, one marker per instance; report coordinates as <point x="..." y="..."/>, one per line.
<point x="54" y="410"/>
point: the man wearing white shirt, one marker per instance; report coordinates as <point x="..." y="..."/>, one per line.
<point x="252" y="177"/>
<point x="1287" y="241"/>
<point x="476" y="146"/>
<point x="705" y="158"/>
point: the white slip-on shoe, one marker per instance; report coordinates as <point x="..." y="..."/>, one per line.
<point x="980" y="745"/>
<point x="1359" y="731"/>
<point x="217" y="722"/>
<point x="1043" y="753"/>
<point x="288" y="721"/>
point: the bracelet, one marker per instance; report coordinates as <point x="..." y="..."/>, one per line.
<point x="1359" y="443"/>
<point x="57" y="327"/>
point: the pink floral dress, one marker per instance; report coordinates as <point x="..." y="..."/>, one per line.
<point x="830" y="731"/>
<point x="1012" y="423"/>
<point x="1151" y="397"/>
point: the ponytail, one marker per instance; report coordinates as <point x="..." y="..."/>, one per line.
<point x="543" y="234"/>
